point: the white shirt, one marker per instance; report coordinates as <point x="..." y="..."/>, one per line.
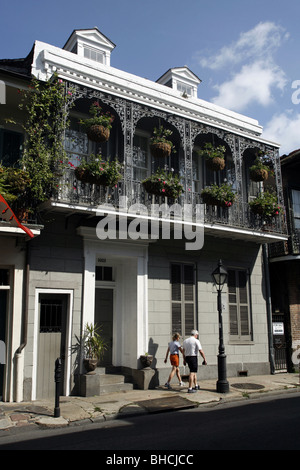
<point x="191" y="346"/>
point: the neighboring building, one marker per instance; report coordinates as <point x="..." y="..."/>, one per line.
<point x="141" y="289"/>
<point x="285" y="271"/>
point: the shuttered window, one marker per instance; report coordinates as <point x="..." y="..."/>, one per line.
<point x="239" y="307"/>
<point x="183" y="298"/>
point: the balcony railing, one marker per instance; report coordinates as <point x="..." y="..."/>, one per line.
<point x="75" y="193"/>
<point x="289" y="247"/>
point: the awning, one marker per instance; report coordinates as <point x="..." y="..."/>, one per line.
<point x="7" y="214"/>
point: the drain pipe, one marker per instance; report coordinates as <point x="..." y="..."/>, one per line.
<point x="269" y="308"/>
<point x="19" y="357"/>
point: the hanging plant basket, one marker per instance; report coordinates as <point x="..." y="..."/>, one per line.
<point x="82" y="174"/>
<point x="98" y="127"/>
<point x="259" y="171"/>
<point x="98" y="133"/>
<point x="215" y="164"/>
<point x="163" y="184"/>
<point x="222" y="196"/>
<point x="258" y="174"/>
<point x="161" y="149"/>
<point x="214" y="156"/>
<point x="160" y="146"/>
<point x="209" y="199"/>
<point x="266" y="205"/>
<point x="98" y="172"/>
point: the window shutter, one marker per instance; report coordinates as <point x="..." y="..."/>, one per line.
<point x="183" y="298"/>
<point x="238" y="300"/>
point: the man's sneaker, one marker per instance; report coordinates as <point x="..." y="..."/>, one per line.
<point x="196" y="387"/>
<point x="167" y="385"/>
<point x="191" y="390"/>
<point x="181" y="384"/>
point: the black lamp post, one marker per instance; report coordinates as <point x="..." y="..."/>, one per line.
<point x="220" y="276"/>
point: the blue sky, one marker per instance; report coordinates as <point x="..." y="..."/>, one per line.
<point x="247" y="54"/>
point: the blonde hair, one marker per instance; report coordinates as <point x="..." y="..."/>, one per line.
<point x="176" y="336"/>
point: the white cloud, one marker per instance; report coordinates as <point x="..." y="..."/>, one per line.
<point x="260" y="41"/>
<point x="284" y="129"/>
<point x="252" y="84"/>
<point x="254" y="77"/>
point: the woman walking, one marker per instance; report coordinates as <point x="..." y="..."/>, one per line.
<point x="173" y="348"/>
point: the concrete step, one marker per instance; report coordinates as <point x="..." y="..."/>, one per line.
<point x="116" y="387"/>
<point x="102" y="382"/>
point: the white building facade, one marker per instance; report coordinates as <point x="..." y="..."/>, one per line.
<point x="140" y="285"/>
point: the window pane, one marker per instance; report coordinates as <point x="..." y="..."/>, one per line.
<point x="4" y="277"/>
<point x="189" y="318"/>
<point x="238" y="304"/>
<point x="176" y="318"/>
<point x="176" y="282"/>
<point x="244" y="321"/>
<point x="233" y="320"/>
<point x="243" y="287"/>
<point x="51" y="316"/>
<point x="183" y="298"/>
<point x="104" y="273"/>
<point x="189" y="283"/>
<point x="10" y="148"/>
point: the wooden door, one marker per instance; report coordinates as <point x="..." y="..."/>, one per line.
<point x="104" y="319"/>
<point x="51" y="341"/>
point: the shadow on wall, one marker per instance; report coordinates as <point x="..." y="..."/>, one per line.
<point x="152" y="349"/>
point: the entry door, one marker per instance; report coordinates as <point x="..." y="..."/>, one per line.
<point x="51" y="342"/>
<point x="104" y="319"/>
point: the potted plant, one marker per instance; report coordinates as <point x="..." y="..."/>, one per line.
<point x="215" y="195"/>
<point x="162" y="183"/>
<point x="160" y="145"/>
<point x="214" y="156"/>
<point x="94" y="347"/>
<point x="5" y="188"/>
<point x="97" y="172"/>
<point x="146" y="360"/>
<point x="46" y="106"/>
<point x="259" y="171"/>
<point x="17" y="179"/>
<point x="266" y="205"/>
<point x="99" y="125"/>
<point x="14" y="185"/>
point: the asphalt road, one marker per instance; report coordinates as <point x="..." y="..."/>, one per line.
<point x="261" y="424"/>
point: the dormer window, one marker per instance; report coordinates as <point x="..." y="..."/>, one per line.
<point x="93" y="54"/>
<point x="90" y="44"/>
<point x="184" y="89"/>
<point x="181" y="79"/>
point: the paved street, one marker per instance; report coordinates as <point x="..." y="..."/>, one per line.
<point x="258" y="412"/>
<point x="270" y="423"/>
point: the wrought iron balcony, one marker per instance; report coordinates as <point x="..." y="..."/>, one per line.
<point x="89" y="196"/>
<point x="289" y="247"/>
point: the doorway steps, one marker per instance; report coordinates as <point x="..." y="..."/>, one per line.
<point x="105" y="380"/>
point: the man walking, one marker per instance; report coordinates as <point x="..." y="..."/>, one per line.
<point x="191" y="348"/>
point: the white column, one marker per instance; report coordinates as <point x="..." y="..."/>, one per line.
<point x="88" y="312"/>
<point x="142" y="304"/>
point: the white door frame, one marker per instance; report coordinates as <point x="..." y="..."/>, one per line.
<point x="67" y="371"/>
<point x="119" y="253"/>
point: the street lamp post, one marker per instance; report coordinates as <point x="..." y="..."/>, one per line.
<point x="220" y="276"/>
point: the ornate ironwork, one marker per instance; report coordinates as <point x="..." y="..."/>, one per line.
<point x="130" y="113"/>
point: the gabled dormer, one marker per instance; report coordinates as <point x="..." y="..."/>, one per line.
<point x="181" y="79"/>
<point x="91" y="44"/>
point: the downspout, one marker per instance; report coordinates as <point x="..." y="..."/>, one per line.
<point x="19" y="353"/>
<point x="269" y="308"/>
